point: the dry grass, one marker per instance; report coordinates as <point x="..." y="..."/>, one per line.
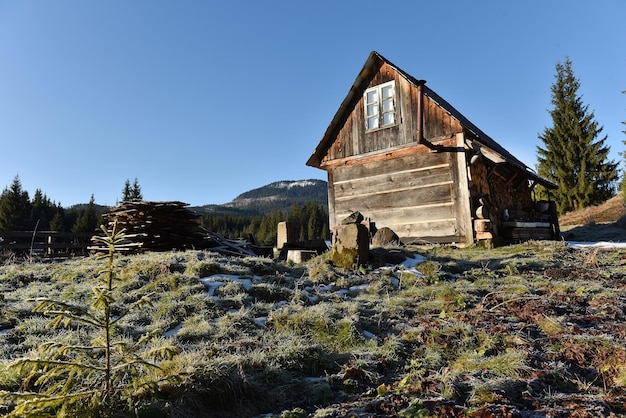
<point x="605" y="222"/>
<point x="610" y="211"/>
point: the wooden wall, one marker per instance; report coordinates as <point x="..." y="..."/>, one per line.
<point x="353" y="140"/>
<point x="412" y="191"/>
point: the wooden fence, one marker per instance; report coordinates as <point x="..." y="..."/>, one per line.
<point x="45" y="243"/>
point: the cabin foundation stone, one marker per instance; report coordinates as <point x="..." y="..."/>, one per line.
<point x="351" y="246"/>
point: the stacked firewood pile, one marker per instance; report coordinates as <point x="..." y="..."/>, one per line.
<point x="164" y="226"/>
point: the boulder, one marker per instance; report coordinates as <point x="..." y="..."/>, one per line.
<point x="385" y="236"/>
<point x="351" y="246"/>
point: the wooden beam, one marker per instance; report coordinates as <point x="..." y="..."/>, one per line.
<point x="462" y="201"/>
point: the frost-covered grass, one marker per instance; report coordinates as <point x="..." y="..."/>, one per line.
<point x="418" y="329"/>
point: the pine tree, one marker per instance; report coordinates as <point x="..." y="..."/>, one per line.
<point x="623" y="154"/>
<point x="57" y="223"/>
<point x="15" y="208"/>
<point x="88" y="219"/>
<point x="136" y="191"/>
<point x="39" y="215"/>
<point x="574" y="158"/>
<point x="126" y="192"/>
<point x="104" y="375"/>
<point x="131" y="192"/>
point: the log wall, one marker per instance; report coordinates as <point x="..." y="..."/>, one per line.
<point x="413" y="192"/>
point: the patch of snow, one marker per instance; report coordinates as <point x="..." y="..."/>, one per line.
<point x="368" y="335"/>
<point x="358" y="289"/>
<point x="414" y="272"/>
<point x="212" y="287"/>
<point x="260" y="321"/>
<point x="414" y="261"/>
<point x="578" y="244"/>
<point x="312" y="297"/>
<point x="4" y="331"/>
<point x="324" y="288"/>
<point x="173" y="331"/>
<point x="281" y="304"/>
<point x="290" y="184"/>
<point x="218" y="280"/>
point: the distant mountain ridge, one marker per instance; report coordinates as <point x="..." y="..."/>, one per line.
<point x="277" y="196"/>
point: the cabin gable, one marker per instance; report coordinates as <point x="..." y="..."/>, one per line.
<point x="352" y="138"/>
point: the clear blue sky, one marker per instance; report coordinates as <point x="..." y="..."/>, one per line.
<point x="204" y="100"/>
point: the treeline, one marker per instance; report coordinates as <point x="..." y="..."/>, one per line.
<point x="18" y="212"/>
<point x="309" y="221"/>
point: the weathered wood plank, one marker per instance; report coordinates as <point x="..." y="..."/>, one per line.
<point x="384" y="199"/>
<point x="408" y="179"/>
<point x="433" y="229"/>
<point x="416" y="214"/>
<point x="392" y="165"/>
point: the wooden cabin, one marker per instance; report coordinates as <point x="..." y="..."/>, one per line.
<point x="403" y="157"/>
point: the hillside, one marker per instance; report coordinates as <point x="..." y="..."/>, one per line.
<point x="604" y="222"/>
<point x="277" y="196"/>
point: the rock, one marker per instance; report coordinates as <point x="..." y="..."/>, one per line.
<point x="352" y="246"/>
<point x="354" y="218"/>
<point x="385" y="236"/>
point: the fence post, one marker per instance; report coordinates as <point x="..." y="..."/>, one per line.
<point x="50" y="242"/>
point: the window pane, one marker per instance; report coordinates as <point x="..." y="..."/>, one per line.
<point x="389" y="118"/>
<point x="372" y="110"/>
<point x="371" y="96"/>
<point x="372" y="123"/>
<point x="387" y="92"/>
<point x="388" y="106"/>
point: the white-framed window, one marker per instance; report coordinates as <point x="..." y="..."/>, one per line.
<point x="380" y="106"/>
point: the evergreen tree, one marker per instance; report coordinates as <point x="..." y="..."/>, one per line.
<point x="126" y="193"/>
<point x="131" y="192"/>
<point x="574" y="158"/>
<point x="106" y="374"/>
<point x="623" y="154"/>
<point x="39" y="212"/>
<point x="309" y="221"/>
<point x="57" y="223"/>
<point x="88" y="219"/>
<point x="15" y="208"/>
<point x="136" y="191"/>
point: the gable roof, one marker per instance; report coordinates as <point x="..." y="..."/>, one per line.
<point x="360" y="85"/>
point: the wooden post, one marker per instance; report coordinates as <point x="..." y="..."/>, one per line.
<point x="50" y="242"/>
<point x="462" y="204"/>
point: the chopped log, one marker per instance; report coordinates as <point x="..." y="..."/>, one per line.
<point x="164" y="226"/>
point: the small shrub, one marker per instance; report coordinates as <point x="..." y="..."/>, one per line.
<point x="97" y="375"/>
